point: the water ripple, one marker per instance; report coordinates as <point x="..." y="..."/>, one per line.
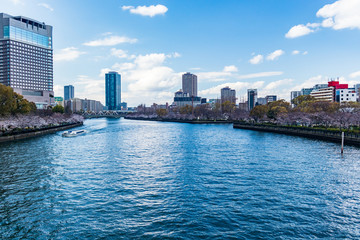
<point x="149" y="180"/>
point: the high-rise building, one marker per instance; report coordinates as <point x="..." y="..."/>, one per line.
<point x="228" y="94"/>
<point x="189" y="84"/>
<point x="252" y="98"/>
<point x="113" y="91"/>
<point x="68" y="92"/>
<point x="26" y="58"/>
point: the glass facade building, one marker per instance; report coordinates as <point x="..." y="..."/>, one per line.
<point x="68" y="92"/>
<point x="252" y="98"/>
<point x="113" y="91"/>
<point x="26" y="58"/>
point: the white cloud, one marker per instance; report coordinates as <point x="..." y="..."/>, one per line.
<point x="86" y="87"/>
<point x="275" y="55"/>
<point x="110" y="41"/>
<point x="106" y="33"/>
<point x="257" y="59"/>
<point x="295" y="52"/>
<point x="278" y="84"/>
<point x="47" y="6"/>
<point x="67" y="54"/>
<point x="213" y="76"/>
<point x="17" y="2"/>
<point x="119" y="53"/>
<point x="127" y="7"/>
<point x="259" y="75"/>
<point x="230" y="68"/>
<point x="298" y="31"/>
<point x="58" y="90"/>
<point x="355" y="74"/>
<point x="309" y="83"/>
<point x="341" y="14"/>
<point x="149" y="11"/>
<point x="147" y="76"/>
<point x="305" y="53"/>
<point x="176" y="55"/>
<point x="238" y="86"/>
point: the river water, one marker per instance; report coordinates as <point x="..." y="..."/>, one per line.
<point x="152" y="180"/>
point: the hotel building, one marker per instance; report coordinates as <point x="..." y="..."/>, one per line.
<point x="26" y="58"/>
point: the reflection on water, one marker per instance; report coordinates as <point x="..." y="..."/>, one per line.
<point x="135" y="179"/>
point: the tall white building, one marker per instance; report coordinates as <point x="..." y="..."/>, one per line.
<point x="189" y="84"/>
<point x="228" y="94"/>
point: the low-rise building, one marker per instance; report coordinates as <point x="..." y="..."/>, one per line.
<point x="182" y="99"/>
<point x="346" y="95"/>
<point x="324" y="94"/>
<point x="271" y="98"/>
<point x="261" y="101"/>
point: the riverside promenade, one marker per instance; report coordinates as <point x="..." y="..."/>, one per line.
<point x="321" y="134"/>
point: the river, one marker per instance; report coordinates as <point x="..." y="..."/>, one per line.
<point x="130" y="179"/>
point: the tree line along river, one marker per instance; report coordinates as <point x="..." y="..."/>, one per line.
<point x="155" y="180"/>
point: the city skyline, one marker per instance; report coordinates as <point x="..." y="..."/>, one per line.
<point x="275" y="48"/>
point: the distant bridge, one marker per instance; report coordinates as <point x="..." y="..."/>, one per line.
<point x="108" y="114"/>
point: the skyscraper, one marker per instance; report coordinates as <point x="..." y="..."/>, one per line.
<point x="252" y="98"/>
<point x="228" y="94"/>
<point x="26" y="58"/>
<point x="189" y="84"/>
<point x="68" y="92"/>
<point x="113" y="90"/>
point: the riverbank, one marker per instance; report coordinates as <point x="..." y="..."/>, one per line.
<point x="25" y="133"/>
<point x="182" y="120"/>
<point x="326" y="135"/>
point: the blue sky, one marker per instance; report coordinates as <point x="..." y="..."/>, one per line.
<point x="275" y="46"/>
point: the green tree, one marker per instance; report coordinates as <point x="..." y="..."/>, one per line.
<point x="227" y="107"/>
<point x="13" y="103"/>
<point x="7" y="100"/>
<point x="161" y="112"/>
<point x="187" y="109"/>
<point x="276" y="108"/>
<point x="303" y="98"/>
<point x="259" y="112"/>
<point x="58" y="109"/>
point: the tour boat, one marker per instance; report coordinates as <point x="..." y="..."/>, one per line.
<point x="73" y="133"/>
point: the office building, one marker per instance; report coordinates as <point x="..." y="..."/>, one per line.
<point x="346" y="95"/>
<point x="124" y="106"/>
<point x="324" y="94"/>
<point x="26" y="58"/>
<point x="228" y="94"/>
<point x="189" y="84"/>
<point x="271" y="98"/>
<point x="113" y="91"/>
<point x="68" y="92"/>
<point x="182" y="99"/>
<point x="252" y="98"/>
<point x="306" y="91"/>
<point x="260" y="101"/>
<point x="294" y="94"/>
<point x="83" y="105"/>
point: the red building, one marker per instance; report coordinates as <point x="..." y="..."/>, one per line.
<point x="337" y="85"/>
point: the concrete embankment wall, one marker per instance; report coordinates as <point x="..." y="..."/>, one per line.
<point x="39" y="132"/>
<point x="332" y="136"/>
<point x="181" y="121"/>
